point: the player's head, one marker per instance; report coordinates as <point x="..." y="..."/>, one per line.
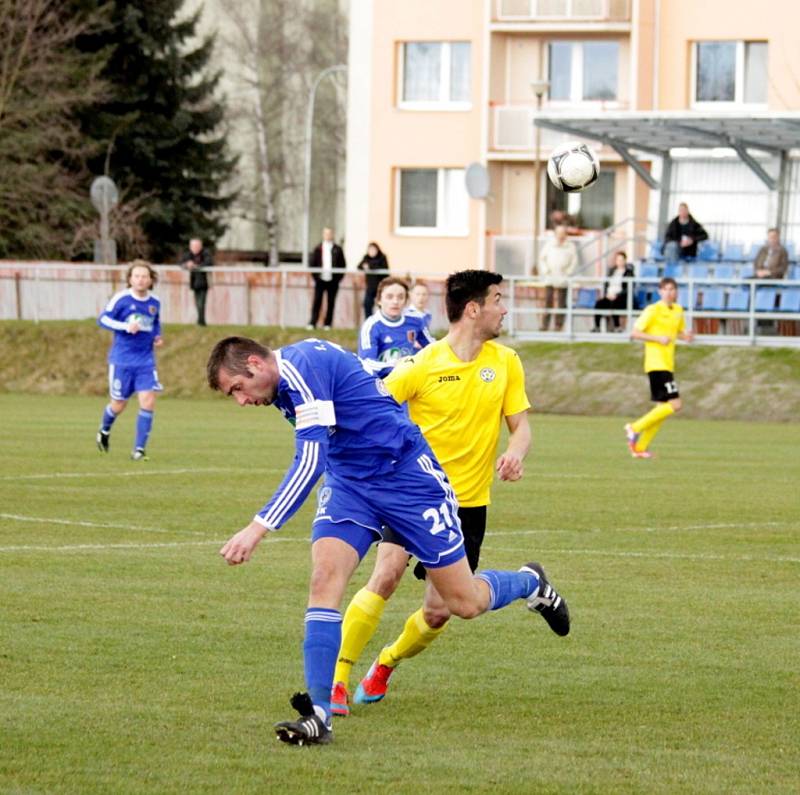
<point x="392" y="297"/>
<point x="668" y="290"/>
<point x="419" y="295"/>
<point x="243" y="369"/>
<point x="475" y="296"/>
<point x="195" y="245"/>
<point x="140" y="276"/>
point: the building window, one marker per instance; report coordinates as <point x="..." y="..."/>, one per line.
<point x="731" y="71"/>
<point x="592" y="209"/>
<point x="432" y="201"/>
<point x="586" y="71"/>
<point x="436" y="74"/>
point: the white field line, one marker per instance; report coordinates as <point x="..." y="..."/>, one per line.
<point x="672" y="529"/>
<point x="215" y="542"/>
<point x="139" y="472"/>
<point x="101" y="525"/>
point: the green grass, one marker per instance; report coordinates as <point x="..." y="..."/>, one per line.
<point x="132" y="660"/>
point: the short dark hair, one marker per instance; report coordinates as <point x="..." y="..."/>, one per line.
<point x="668" y="280"/>
<point x="388" y="282"/>
<point x="621" y="254"/>
<point x="141" y="263"/>
<point x="231" y="354"/>
<point x="465" y="286"/>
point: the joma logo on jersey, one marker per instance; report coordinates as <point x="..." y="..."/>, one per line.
<point x="449" y="378"/>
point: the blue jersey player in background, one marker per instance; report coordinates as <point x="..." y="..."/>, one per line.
<point x="133" y="316"/>
<point x="379" y="471"/>
<point x="390" y="334"/>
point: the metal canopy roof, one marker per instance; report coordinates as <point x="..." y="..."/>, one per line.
<point x="658" y="132"/>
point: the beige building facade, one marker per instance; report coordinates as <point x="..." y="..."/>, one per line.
<point x="437" y="85"/>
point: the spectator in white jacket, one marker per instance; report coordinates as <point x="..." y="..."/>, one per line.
<point x="558" y="260"/>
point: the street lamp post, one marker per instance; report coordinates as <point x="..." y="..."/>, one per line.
<point x="539" y="88"/>
<point x="309" y="135"/>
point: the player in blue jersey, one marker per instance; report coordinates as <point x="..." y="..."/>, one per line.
<point x="418" y="298"/>
<point x="390" y="334"/>
<point x="133" y="316"/>
<point x="347" y="426"/>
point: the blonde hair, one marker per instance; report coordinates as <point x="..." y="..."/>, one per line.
<point x="141" y="263"/>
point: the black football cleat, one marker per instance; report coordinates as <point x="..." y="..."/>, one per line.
<point x="102" y="440"/>
<point x="545" y="601"/>
<point x="311" y="729"/>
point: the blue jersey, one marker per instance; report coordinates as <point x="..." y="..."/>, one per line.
<point x="412" y="311"/>
<point x="383" y="342"/>
<point x="132" y="350"/>
<point x="344" y="420"/>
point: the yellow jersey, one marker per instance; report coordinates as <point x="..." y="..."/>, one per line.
<point x="662" y="321"/>
<point x="459" y="407"/>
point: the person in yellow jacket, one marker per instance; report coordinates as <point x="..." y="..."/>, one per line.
<point x="658" y="327"/>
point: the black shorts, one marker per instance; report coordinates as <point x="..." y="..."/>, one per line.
<point x="473" y="527"/>
<point x="663" y="386"/>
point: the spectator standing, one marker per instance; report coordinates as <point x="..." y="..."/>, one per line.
<point x="682" y="235"/>
<point x="373" y="263"/>
<point x="772" y="260"/>
<point x="558" y="261"/>
<point x="327" y="268"/>
<point x="197" y="260"/>
<point x="615" y="290"/>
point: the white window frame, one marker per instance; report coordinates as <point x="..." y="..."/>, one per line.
<point x="444" y="103"/>
<point x="739" y="73"/>
<point x="533" y="12"/>
<point x="576" y="76"/>
<point x="429" y="231"/>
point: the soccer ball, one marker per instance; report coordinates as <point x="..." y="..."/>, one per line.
<point x="572" y="167"/>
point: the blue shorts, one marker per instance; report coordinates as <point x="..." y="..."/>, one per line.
<point x="124" y="381"/>
<point x="416" y="500"/>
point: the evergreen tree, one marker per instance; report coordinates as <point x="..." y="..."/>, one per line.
<point x="160" y="128"/>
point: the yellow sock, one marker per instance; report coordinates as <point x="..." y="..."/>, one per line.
<point x="415" y="637"/>
<point x="647" y="436"/>
<point x="360" y="621"/>
<point x="658" y="413"/>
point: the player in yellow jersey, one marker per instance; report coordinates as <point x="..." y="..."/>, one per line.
<point x="658" y="326"/>
<point x="458" y="391"/>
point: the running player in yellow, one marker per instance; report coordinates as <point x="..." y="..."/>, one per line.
<point x="458" y="390"/>
<point x="658" y="327"/>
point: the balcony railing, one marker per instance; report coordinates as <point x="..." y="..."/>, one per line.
<point x="563" y="10"/>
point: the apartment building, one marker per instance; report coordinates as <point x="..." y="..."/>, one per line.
<point x="435" y="85"/>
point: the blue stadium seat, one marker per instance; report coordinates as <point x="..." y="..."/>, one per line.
<point x="765" y="299"/>
<point x="642" y="297"/>
<point x="746" y="272"/>
<point x="794" y="273"/>
<point x="586" y="298"/>
<point x="789" y="246"/>
<point x="697" y="270"/>
<point x="708" y="251"/>
<point x="713" y="299"/>
<point x="724" y="270"/>
<point x="734" y="251"/>
<point x="739" y="299"/>
<point x="655" y="250"/>
<point x="674" y="270"/>
<point x="648" y="270"/>
<point x="790" y="299"/>
<point x="683" y="297"/>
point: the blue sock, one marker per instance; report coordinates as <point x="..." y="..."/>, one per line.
<point x="108" y="419"/>
<point x="320" y="651"/>
<point x="508" y="586"/>
<point x="144" y="424"/>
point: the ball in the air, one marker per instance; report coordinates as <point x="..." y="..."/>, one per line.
<point x="573" y="167"/>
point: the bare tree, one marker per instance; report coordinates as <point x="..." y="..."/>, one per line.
<point x="44" y="81"/>
<point x="276" y="48"/>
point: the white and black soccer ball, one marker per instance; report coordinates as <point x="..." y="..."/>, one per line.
<point x="573" y="167"/>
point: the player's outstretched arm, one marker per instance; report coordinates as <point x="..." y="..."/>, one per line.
<point x="240" y="547"/>
<point x="509" y="464"/>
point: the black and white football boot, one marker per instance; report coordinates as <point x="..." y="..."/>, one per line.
<point x="102" y="440"/>
<point x="545" y="601"/>
<point x="310" y="729"/>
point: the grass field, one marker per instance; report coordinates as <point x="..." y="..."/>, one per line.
<point x="133" y="660"/>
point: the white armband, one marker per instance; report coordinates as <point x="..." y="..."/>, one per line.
<point x="317" y="412"/>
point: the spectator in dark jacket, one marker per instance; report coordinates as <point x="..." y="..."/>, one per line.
<point x="327" y="268"/>
<point x="197" y="260"/>
<point x="683" y="234"/>
<point x="374" y="264"/>
<point x="772" y="260"/>
<point x="615" y="290"/>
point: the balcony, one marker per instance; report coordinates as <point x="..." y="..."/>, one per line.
<point x="563" y="10"/>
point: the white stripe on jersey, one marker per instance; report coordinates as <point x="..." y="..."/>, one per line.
<point x="294" y="379"/>
<point x="300" y="479"/>
<point x="427" y="465"/>
<point x="367" y="327"/>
